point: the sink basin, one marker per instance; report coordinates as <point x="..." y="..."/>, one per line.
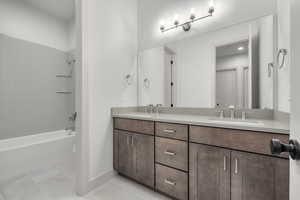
<point x="142" y="115"/>
<point x="238" y="122"/>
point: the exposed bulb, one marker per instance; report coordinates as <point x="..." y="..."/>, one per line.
<point x="193" y="15"/>
<point x="211" y="3"/>
<point x="162" y="25"/>
<point x="176" y="21"/>
<point x="211" y="7"/>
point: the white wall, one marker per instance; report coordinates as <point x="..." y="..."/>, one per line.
<point x="266" y="56"/>
<point x="152" y="67"/>
<point x="227" y="13"/>
<point x="284" y="42"/>
<point x="72" y="35"/>
<point x="19" y="20"/>
<point x="109" y="54"/>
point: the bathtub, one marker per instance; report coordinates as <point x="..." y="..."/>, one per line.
<point x="24" y="155"/>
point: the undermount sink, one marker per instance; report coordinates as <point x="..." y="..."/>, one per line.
<point x="238" y="122"/>
<point x="143" y="115"/>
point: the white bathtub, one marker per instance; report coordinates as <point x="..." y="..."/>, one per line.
<point x="25" y="155"/>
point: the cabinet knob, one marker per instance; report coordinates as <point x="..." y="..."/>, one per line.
<point x="293" y="148"/>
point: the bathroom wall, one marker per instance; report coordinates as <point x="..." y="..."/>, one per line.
<point x="20" y="20"/>
<point x="29" y="103"/>
<point x="109" y="54"/>
<point x="153" y="69"/>
<point x="227" y="13"/>
<point x="284" y="76"/>
<point x="266" y="48"/>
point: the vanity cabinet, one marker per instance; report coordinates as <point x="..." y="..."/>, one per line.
<point x="220" y="174"/>
<point x="188" y="162"/>
<point x="209" y="173"/>
<point x="136" y="156"/>
<point x="256" y="177"/>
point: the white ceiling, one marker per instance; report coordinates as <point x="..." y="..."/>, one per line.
<point x="62" y="9"/>
<point x="232" y="49"/>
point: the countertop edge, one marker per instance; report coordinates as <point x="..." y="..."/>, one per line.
<point x="207" y="124"/>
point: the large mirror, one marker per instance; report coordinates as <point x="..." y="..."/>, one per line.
<point x="237" y="65"/>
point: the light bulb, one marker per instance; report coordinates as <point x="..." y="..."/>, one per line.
<point x="176" y="21"/>
<point x="212" y="3"/>
<point x="193" y="15"/>
<point x="241" y="48"/>
<point x="211" y="7"/>
<point x="162" y="25"/>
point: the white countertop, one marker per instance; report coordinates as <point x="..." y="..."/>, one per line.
<point x="270" y="126"/>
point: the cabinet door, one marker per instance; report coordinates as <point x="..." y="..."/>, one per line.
<point x="257" y="177"/>
<point x="116" y="151"/>
<point x="209" y="173"/>
<point x="125" y="154"/>
<point x="144" y="159"/>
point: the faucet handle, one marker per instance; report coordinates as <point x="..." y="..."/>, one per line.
<point x="157" y="107"/>
<point x="221" y="112"/>
<point x="150" y="107"/>
<point x="244" y="115"/>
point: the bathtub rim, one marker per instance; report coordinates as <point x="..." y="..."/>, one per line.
<point x="36" y="139"/>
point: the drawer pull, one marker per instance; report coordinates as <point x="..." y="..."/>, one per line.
<point x="127" y="138"/>
<point x="170" y="153"/>
<point x="236" y="171"/>
<point x="169" y="131"/>
<point x="170" y="182"/>
<point x="225" y="163"/>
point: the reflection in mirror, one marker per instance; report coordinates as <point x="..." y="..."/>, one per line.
<point x="37" y="79"/>
<point x="233" y="66"/>
<point x="232" y="75"/>
<point x="244" y="78"/>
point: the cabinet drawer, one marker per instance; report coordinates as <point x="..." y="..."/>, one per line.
<point x="172" y="182"/>
<point x="257" y="142"/>
<point x="173" y="153"/>
<point x="139" y="126"/>
<point x="176" y="131"/>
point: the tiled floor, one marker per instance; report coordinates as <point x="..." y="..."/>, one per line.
<point x="55" y="185"/>
<point x="123" y="189"/>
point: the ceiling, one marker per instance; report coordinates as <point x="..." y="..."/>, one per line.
<point x="62" y="9"/>
<point x="232" y="49"/>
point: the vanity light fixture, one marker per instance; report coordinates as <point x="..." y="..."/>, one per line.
<point x="186" y="26"/>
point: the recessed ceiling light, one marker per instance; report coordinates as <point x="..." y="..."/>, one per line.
<point x="241" y="48"/>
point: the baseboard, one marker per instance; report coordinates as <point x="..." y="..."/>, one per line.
<point x="100" y="180"/>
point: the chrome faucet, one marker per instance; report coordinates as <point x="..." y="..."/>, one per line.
<point x="232" y="111"/>
<point x="157" y="108"/>
<point x="221" y="112"/>
<point x="243" y="115"/>
<point x="149" y="108"/>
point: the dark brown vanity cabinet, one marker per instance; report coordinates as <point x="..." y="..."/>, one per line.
<point x="201" y="163"/>
<point x="221" y="174"/>
<point x="136" y="156"/>
<point x="209" y="173"/>
<point x="256" y="177"/>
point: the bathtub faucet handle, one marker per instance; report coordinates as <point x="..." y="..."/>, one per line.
<point x="73" y="117"/>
